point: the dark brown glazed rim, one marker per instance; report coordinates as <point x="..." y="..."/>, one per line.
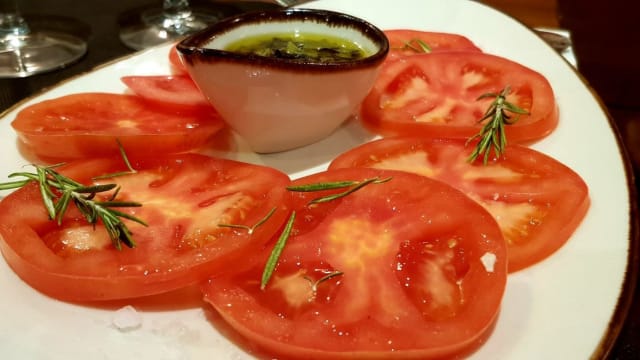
<point x="192" y="49"/>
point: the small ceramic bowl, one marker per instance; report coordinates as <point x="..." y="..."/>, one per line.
<point x="275" y="102"/>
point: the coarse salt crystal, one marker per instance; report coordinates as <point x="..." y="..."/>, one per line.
<point x="127" y="319"/>
<point x="488" y="261"/>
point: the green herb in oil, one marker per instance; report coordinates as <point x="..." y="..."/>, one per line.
<point x="302" y="47"/>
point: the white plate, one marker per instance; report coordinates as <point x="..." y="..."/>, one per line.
<point x="558" y="309"/>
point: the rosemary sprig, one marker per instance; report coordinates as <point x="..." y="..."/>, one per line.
<point x="251" y="229"/>
<point x="272" y="261"/>
<point x="58" y="191"/>
<point x="492" y="134"/>
<point x="351" y="186"/>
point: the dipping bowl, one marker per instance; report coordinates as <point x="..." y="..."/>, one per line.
<point x="281" y="103"/>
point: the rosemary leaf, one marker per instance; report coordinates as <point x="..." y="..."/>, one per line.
<point x="130" y="169"/>
<point x="62" y="205"/>
<point x="14" y="184"/>
<point x="125" y="158"/>
<point x="45" y="192"/>
<point x="272" y="261"/>
<point x="419" y="47"/>
<point x="322" y="186"/>
<point x="128" y="216"/>
<point x="126" y="236"/>
<point x="112" y="204"/>
<point x="357" y="186"/>
<point x="94" y="188"/>
<point x="352" y="186"/>
<point x="251" y="229"/>
<point x="314" y="284"/>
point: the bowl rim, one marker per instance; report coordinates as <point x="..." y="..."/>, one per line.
<point x="192" y="51"/>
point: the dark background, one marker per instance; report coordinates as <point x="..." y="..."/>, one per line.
<point x="605" y="36"/>
<point x="98" y="22"/>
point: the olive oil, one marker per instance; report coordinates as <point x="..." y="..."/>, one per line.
<point x="319" y="48"/>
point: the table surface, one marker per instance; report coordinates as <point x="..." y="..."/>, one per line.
<point x="604" y="58"/>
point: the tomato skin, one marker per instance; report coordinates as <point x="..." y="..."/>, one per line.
<point x="437" y="42"/>
<point x="436" y="95"/>
<point x="167" y="90"/>
<point x="550" y="197"/>
<point x="87" y="125"/>
<point x="184" y="198"/>
<point x="377" y="237"/>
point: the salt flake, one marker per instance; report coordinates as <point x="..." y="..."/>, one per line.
<point x="488" y="261"/>
<point x="127" y="319"/>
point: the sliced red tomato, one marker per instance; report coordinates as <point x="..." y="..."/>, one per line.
<point x="436" y="95"/>
<point x="88" y="124"/>
<point x="537" y="201"/>
<point x="185" y="199"/>
<point x="407" y="268"/>
<point x="404" y="42"/>
<point x="177" y="66"/>
<point x="178" y="90"/>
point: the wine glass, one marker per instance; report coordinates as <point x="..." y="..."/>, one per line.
<point x="24" y="52"/>
<point x="174" y="20"/>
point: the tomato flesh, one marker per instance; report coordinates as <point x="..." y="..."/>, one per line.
<point x="537" y="201"/>
<point x="393" y="270"/>
<point x="168" y="90"/>
<point x="436" y="95"/>
<point x="91" y="124"/>
<point x="184" y="200"/>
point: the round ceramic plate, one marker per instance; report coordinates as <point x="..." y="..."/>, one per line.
<point x="568" y="306"/>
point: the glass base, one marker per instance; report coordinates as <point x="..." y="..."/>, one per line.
<point x="157" y="27"/>
<point x="38" y="52"/>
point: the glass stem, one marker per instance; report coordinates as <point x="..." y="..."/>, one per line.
<point x="12" y="24"/>
<point x="176" y="10"/>
<point x="13" y="28"/>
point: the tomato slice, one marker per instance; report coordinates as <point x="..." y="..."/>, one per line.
<point x="537" y="201"/>
<point x="436" y="95"/>
<point x="177" y="67"/>
<point x="178" y="90"/>
<point x="88" y="124"/>
<point x="405" y="42"/>
<point x="184" y="200"/>
<point x="407" y="268"/>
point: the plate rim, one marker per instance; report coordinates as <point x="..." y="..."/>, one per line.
<point x="625" y="299"/>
